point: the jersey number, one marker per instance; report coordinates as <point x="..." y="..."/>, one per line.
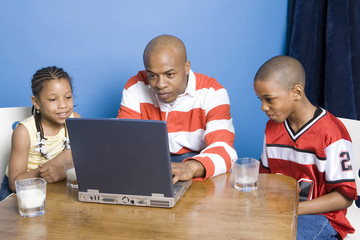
<point x="345" y="161"/>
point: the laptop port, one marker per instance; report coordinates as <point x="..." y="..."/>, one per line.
<point x="108" y="200"/>
<point x="141" y="202"/>
<point x="125" y="200"/>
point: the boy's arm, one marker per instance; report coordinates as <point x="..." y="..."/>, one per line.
<point x="332" y="201"/>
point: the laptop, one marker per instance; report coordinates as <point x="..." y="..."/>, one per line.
<point x="123" y="161"/>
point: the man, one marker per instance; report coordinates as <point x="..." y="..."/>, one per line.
<point x="195" y="107"/>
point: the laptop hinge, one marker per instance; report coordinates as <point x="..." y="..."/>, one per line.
<point x="92" y="191"/>
<point x="157" y="195"/>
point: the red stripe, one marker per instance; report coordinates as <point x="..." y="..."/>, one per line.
<point x="220" y="136"/>
<point x="183" y="150"/>
<point x="186" y="121"/>
<point x="140" y="77"/>
<point x="219" y="113"/>
<point x="222" y="153"/>
<point x="128" y="113"/>
<point x="150" y="112"/>
<point x="209" y="166"/>
<point x="204" y="81"/>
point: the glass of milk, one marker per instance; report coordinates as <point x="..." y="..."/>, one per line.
<point x="245" y="174"/>
<point x="31" y="194"/>
<point x="70" y="173"/>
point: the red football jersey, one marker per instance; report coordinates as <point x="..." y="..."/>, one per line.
<point x="319" y="156"/>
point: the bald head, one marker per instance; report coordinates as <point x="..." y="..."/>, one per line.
<point x="286" y="71"/>
<point x="166" y="67"/>
<point x="165" y="43"/>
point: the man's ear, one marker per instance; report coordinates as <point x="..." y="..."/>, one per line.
<point x="298" y="92"/>
<point x="187" y="67"/>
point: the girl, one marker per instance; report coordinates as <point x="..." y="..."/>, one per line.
<point x="40" y="143"/>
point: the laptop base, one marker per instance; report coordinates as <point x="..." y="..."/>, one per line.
<point x="155" y="200"/>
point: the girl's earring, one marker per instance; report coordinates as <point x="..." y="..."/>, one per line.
<point x="37" y="111"/>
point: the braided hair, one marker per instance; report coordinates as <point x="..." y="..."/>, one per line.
<point x="40" y="77"/>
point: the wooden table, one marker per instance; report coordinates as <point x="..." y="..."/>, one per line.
<point x="212" y="209"/>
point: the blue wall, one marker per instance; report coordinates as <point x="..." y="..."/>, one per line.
<point x="100" y="44"/>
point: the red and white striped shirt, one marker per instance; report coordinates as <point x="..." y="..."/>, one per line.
<point x="198" y="120"/>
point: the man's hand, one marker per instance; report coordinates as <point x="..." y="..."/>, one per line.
<point x="52" y="173"/>
<point x="187" y="170"/>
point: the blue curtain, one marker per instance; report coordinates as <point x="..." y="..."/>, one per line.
<point x="324" y="35"/>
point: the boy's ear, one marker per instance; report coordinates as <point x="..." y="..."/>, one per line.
<point x="35" y="102"/>
<point x="297" y="92"/>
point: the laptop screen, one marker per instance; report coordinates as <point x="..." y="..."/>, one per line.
<point x="121" y="156"/>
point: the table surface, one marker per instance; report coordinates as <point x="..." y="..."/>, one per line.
<point x="212" y="209"/>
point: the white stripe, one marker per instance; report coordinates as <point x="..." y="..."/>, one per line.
<point x="264" y="159"/>
<point x="205" y="99"/>
<point x="136" y="94"/>
<point x="191" y="140"/>
<point x="289" y="154"/>
<point x="219" y="125"/>
<point x="218" y="98"/>
<point x="231" y="151"/>
<point x="219" y="163"/>
<point x="129" y="102"/>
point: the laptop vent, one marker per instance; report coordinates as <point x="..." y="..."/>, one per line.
<point x="158" y="203"/>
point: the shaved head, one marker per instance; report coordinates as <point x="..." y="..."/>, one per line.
<point x="166" y="67"/>
<point x="286" y="71"/>
<point x="165" y="43"/>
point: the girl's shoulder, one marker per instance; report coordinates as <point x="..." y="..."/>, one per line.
<point x="21" y="134"/>
<point x="28" y="123"/>
<point x="28" y="120"/>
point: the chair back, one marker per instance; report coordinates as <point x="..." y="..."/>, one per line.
<point x="353" y="215"/>
<point x="8" y="119"/>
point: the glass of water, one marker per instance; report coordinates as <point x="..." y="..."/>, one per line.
<point x="245" y="174"/>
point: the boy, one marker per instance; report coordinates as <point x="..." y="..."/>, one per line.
<point x="309" y="144"/>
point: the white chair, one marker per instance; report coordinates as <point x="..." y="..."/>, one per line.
<point x="353" y="214"/>
<point x="8" y="117"/>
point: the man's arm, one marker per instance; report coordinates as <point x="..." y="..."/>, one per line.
<point x="130" y="101"/>
<point x="127" y="113"/>
<point x="219" y="135"/>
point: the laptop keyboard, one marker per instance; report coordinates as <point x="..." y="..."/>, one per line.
<point x="177" y="187"/>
